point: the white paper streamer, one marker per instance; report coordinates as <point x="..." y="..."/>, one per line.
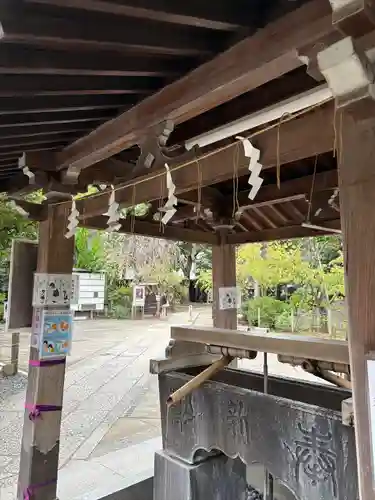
<point x="169" y="208"/>
<point x="73" y="221"/>
<point x="29" y="174"/>
<point x="332" y="200"/>
<point x="255" y="167"/>
<point x="113" y="213"/>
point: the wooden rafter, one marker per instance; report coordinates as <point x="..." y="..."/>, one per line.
<point x="25" y="60"/>
<point x="53" y="85"/>
<point x="193" y="13"/>
<point x="81" y="32"/>
<point x="282" y="233"/>
<point x="259" y="60"/>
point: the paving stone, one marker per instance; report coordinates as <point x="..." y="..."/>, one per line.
<point x="79" y="480"/>
<point x="10" y="438"/>
<point x="9" y="466"/>
<point x="126" y="432"/>
<point x="82" y="423"/>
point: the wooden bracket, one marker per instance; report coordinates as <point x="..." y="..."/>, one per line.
<point x="154" y="153"/>
<point x="353" y="17"/>
<point x="350" y="75"/>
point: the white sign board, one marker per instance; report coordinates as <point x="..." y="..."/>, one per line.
<point x="139" y="296"/>
<point x="229" y="297"/>
<point x="371" y="388"/>
<point x="54" y="290"/>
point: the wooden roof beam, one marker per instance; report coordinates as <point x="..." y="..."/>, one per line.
<point x="209" y="15"/>
<point x="20" y="142"/>
<point x="95" y="31"/>
<point x="50" y="85"/>
<point x="248" y="65"/>
<point x="23" y="60"/>
<point x="41" y="130"/>
<point x="302" y="137"/>
<point x="49" y="119"/>
<point x="66" y="104"/>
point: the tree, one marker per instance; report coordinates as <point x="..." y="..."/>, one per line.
<point x="89" y="250"/>
<point x="298" y="262"/>
<point x="12" y="225"/>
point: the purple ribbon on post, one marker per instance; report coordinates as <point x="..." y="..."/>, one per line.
<point x="30" y="490"/>
<point x="37" y="410"/>
<point x="47" y="362"/>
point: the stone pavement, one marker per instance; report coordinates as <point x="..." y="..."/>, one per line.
<point x="110" y="411"/>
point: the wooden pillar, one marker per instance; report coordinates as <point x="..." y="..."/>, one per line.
<point x="40" y="441"/>
<point x="350" y="75"/>
<point x="223" y="275"/>
<point x="357" y="191"/>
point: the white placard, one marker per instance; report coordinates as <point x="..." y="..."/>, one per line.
<point x="139" y="296"/>
<point x="37" y="326"/>
<point x="229" y="297"/>
<point x="55" y="290"/>
<point x="371" y="388"/>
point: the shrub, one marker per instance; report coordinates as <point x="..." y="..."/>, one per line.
<point x="121" y="312"/>
<point x="270" y="309"/>
<point x="120" y="302"/>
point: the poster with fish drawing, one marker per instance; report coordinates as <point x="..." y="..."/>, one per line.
<point x="56" y="337"/>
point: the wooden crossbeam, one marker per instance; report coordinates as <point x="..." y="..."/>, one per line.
<point x="247" y="65"/>
<point x="301" y="138"/>
<point x="154" y="230"/>
<point x="335" y="351"/>
<point x="214" y="16"/>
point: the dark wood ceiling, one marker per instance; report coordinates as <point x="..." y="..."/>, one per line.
<point x="68" y="66"/>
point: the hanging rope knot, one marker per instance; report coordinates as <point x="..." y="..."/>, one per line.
<point x="34" y="415"/>
<point x="37" y="410"/>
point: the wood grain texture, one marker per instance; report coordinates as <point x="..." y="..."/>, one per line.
<point x="41" y="438"/>
<point x="246" y="66"/>
<point x="357" y="185"/>
<point x="294" y="345"/>
<point x="223" y="275"/>
<point x="300" y="138"/>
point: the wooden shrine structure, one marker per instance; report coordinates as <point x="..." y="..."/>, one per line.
<point x="109" y="92"/>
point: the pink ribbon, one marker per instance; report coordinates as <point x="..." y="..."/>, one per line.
<point x="30" y="490"/>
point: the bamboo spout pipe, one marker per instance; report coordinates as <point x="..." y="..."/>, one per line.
<point x="197" y="381"/>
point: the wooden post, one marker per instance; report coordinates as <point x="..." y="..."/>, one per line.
<point x="40" y="441"/>
<point x="357" y="188"/>
<point x="223" y="275"/>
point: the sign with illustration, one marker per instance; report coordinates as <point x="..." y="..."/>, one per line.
<point x="139" y="295"/>
<point x="55" y="289"/>
<point x="229" y="298"/>
<point x="56" y="337"/>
